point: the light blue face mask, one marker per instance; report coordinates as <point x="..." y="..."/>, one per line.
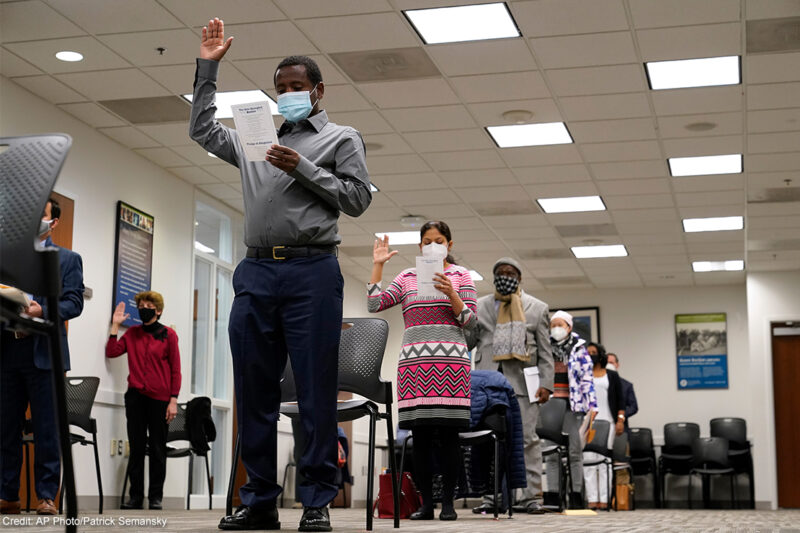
<point x="295" y="105"/>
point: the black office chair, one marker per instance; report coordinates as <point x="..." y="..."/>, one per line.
<point x="599" y="445"/>
<point x="676" y="453"/>
<point x="643" y="458"/>
<point x="28" y="170"/>
<point x="549" y="427"/>
<point x="621" y="460"/>
<point x="361" y="350"/>
<point x="178" y="431"/>
<point x="739" y="448"/>
<point x="710" y="458"/>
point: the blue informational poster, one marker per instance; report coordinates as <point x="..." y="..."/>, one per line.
<point x="133" y="263"/>
<point x="702" y="351"/>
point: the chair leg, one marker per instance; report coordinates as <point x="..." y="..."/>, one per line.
<point x="689" y="492"/>
<point x="208" y="477"/>
<point x="396" y="476"/>
<point x="370" y="468"/>
<point x="125" y="481"/>
<point x="97" y="467"/>
<point x="403" y="453"/>
<point x="496" y="475"/>
<point x="733" y="492"/>
<point x="189" y="485"/>
<point x="232" y="478"/>
<point x="286" y="473"/>
<point x="507" y="477"/>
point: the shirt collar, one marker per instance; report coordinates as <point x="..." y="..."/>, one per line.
<point x="317" y="122"/>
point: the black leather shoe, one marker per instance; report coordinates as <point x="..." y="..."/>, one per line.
<point x="423" y="513"/>
<point x="487" y="508"/>
<point x="132" y="503"/>
<point x="154" y="503"/>
<point x="576" y="500"/>
<point x="448" y="515"/>
<point x="315" y="519"/>
<point x="248" y="518"/>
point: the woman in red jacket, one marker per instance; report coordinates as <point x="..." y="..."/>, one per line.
<point x="151" y="403"/>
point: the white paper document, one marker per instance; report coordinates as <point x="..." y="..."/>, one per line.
<point x="256" y="129"/>
<point x="427" y="267"/>
<point x="531" y="374"/>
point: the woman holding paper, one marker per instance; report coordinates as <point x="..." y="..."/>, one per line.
<point x="433" y="374"/>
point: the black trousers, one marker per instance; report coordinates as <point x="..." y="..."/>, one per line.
<point x="438" y="445"/>
<point x="147" y="426"/>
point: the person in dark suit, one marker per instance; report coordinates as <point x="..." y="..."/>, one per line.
<point x="631" y="405"/>
<point x="25" y="376"/>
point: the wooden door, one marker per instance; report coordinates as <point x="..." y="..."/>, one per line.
<point x="785" y="377"/>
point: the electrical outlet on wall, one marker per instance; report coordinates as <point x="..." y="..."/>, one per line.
<point x="113" y="447"/>
<point x="127" y="448"/>
<point x="120" y="446"/>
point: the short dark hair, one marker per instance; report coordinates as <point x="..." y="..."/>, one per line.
<point x="312" y="69"/>
<point x="615" y="356"/>
<point x="55" y="209"/>
<point x="438" y="225"/>
<point x="601" y="353"/>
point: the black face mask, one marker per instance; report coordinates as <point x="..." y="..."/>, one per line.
<point x="506" y="285"/>
<point x="595" y="360"/>
<point x="146" y="314"/>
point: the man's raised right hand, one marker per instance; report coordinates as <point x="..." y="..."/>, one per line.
<point x="213" y="44"/>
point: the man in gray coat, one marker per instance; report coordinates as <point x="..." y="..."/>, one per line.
<point x="513" y="334"/>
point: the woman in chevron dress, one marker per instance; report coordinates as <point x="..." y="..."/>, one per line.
<point x="433" y="374"/>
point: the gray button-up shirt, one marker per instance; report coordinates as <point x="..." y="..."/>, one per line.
<point x="295" y="209"/>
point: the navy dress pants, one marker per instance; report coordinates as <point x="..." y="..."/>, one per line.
<point x="287" y="307"/>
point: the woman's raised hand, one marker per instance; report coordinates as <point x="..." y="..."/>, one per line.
<point x="213" y="44"/>
<point x="380" y="251"/>
<point x="120" y="315"/>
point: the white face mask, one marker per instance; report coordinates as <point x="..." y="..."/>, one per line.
<point x="44" y="226"/>
<point x="611" y="366"/>
<point x="434" y="249"/>
<point x="558" y="333"/>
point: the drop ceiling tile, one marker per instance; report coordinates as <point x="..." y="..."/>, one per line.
<point x="386" y="144"/>
<point x="646" y="215"/>
<point x="408" y="182"/>
<point x="772" y="162"/>
<point x="475" y="178"/>
<point x="629" y="169"/>
<point x="492" y="194"/>
<point x="698" y="100"/>
<point x="552" y="174"/>
<point x="735" y="247"/>
<point x="117" y="16"/>
<point x="768" y="9"/>
<point x="772" y="209"/>
<point x="719" y="278"/>
<point x="610" y="106"/>
<point x="130" y="137"/>
<point x="770" y="179"/>
<point x="163" y="157"/>
<point x="196" y="155"/>
<point x="12" y="65"/>
<point x="446" y="117"/>
<point x="482" y="57"/>
<point x="140" y="48"/>
<point x="562" y="190"/>
<point x="470" y="160"/>
<point x="713" y="211"/>
<point x="567" y="17"/>
<point x="773" y="120"/>
<point x="730" y="144"/>
<point x="702" y="199"/>
<point x="224" y="172"/>
<point x="96" y="56"/>
<point x="597" y="80"/>
<point x="392" y="94"/>
<point x="50" y="89"/>
<point x="648" y="239"/>
<point x="469" y="249"/>
<point x="621" y="151"/>
<point x="638" y="201"/>
<point x="193" y="175"/>
<point x="671" y="279"/>
<point x="709" y="183"/>
<point x="26" y="21"/>
<point x="541" y="155"/>
<point x="657" y="13"/>
<point x="441" y="211"/>
<point x="344" y="98"/>
<point x="491" y="113"/>
<point x="773" y="96"/>
<point x="718" y="124"/>
<point x="179" y="79"/>
<point x="644" y="227"/>
<point x="262" y="70"/>
<point x="113" y="84"/>
<point x="359" y="32"/>
<point x="585" y="50"/>
<point x="771" y="222"/>
<point x="197" y="12"/>
<point x="773" y="142"/>
<point x="452" y="140"/>
<point x="278" y="39"/>
<point x="521" y="222"/>
<point x="526" y="237"/>
<point x="381" y="215"/>
<point x="508" y="86"/>
<point x="221" y="191"/>
<point x="393" y="164"/>
<point x="697" y="239"/>
<point x="633" y="129"/>
<point x="326" y="8"/>
<point x="688" y="42"/>
<point x="175" y="134"/>
<point x="635" y="186"/>
<point x="773" y="68"/>
<point x="366" y="122"/>
<point x="92" y="114"/>
<point x="576" y="219"/>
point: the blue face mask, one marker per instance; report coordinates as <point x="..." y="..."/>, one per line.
<point x="295" y="105"/>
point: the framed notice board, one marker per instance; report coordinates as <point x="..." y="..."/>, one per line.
<point x="133" y="258"/>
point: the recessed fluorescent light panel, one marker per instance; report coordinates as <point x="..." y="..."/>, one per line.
<point x="714" y="266"/>
<point x="591" y="252"/>
<point x="530" y="134"/>
<point x="707" y="72"/>
<point x="574" y="204"/>
<point x="199" y="246"/>
<point x="225" y="100"/>
<point x="463" y="23"/>
<point x="691" y="225"/>
<point x="69" y="56"/>
<point x="476" y="276"/>
<point x="398" y="238"/>
<point x="705" y="165"/>
<point x="373" y="188"/>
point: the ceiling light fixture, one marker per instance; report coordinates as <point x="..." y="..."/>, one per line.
<point x="705" y="165"/>
<point x="463" y="23"/>
<point x="692" y="225"/>
<point x="592" y="252"/>
<point x="573" y="204"/>
<point x="69" y="56"/>
<point x="224" y="101"/>
<point x="476" y="276"/>
<point x="373" y="188"/>
<point x="530" y="134"/>
<point x="399" y="238"/>
<point x="715" y="266"/>
<point x="684" y="73"/>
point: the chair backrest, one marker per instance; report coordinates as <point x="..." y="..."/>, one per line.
<point x="599" y="443"/>
<point x="621" y="451"/>
<point x="80" y="392"/>
<point x="641" y="441"/>
<point x="679" y="437"/>
<point x="361" y="352"/>
<point x="551" y="420"/>
<point x="178" y="429"/>
<point x="28" y="170"/>
<point x="732" y="429"/>
<point x="710" y="452"/>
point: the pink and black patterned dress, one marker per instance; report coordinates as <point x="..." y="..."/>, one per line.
<point x="433" y="373"/>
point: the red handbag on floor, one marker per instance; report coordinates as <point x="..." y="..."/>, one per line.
<point x="410" y="498"/>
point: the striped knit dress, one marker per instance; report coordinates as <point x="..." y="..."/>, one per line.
<point x="433" y="373"/>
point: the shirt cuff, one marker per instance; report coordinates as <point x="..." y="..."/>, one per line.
<point x="207" y="68"/>
<point x="305" y="169"/>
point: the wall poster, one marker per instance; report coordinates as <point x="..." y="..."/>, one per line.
<point x="133" y="258"/>
<point x="701" y="343"/>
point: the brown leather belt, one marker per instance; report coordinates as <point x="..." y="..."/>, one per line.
<point x="288" y="252"/>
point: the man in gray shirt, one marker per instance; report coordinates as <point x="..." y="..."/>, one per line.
<point x="289" y="287"/>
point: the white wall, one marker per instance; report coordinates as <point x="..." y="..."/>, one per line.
<point x="771" y="297"/>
